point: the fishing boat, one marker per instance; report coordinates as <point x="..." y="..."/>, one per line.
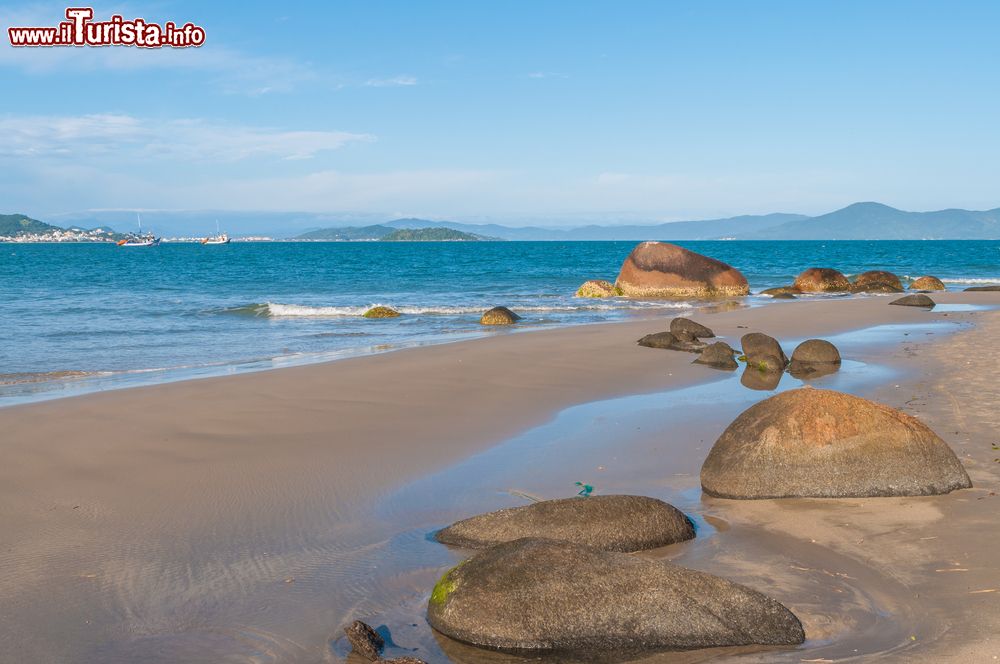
<point x="139" y="239"/>
<point x="218" y="238"/>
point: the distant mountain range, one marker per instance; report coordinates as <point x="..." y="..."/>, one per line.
<point x="860" y="221"/>
<point x="391" y="234"/>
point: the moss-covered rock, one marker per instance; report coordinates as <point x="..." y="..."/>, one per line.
<point x="381" y="312"/>
<point x="598" y="288"/>
<point x="499" y="316"/>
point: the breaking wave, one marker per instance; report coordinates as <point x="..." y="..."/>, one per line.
<point x="279" y="310"/>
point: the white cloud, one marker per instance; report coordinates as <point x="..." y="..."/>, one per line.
<point x="395" y="81"/>
<point x="547" y="74"/>
<point x="190" y="139"/>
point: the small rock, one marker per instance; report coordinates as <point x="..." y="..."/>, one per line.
<point x="612" y="523"/>
<point x="499" y="316"/>
<point x="763" y="351"/>
<point x="814" y="357"/>
<point x="598" y="288"/>
<point x="364" y="640"/>
<point x="781" y="292"/>
<point x="718" y="356"/>
<point x="403" y="660"/>
<point x="681" y="326"/>
<point x="381" y="312"/>
<point x="982" y="288"/>
<point x="927" y="283"/>
<point x="916" y="300"/>
<point x="669" y="341"/>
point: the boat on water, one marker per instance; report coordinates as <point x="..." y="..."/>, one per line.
<point x="218" y="238"/>
<point x="139" y="239"/>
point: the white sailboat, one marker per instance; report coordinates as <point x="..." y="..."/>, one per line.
<point x="139" y="239"/>
<point x="218" y="238"/>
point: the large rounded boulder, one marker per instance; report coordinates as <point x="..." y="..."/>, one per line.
<point x="825" y="444"/>
<point x="613" y="523"/>
<point x="927" y="283"/>
<point x="822" y="280"/>
<point x="877" y="281"/>
<point x="814" y="358"/>
<point x="763" y="351"/>
<point x="663" y="270"/>
<point x="538" y="596"/>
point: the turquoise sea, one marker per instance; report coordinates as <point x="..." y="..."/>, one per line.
<point x="82" y="317"/>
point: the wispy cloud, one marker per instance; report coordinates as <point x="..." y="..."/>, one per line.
<point x="395" y="81"/>
<point x="192" y="139"/>
<point x="547" y="74"/>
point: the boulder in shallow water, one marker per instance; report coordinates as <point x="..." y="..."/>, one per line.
<point x="536" y="596"/>
<point x="825" y="444"/>
<point x="915" y="300"/>
<point x="612" y="523"/>
<point x="781" y="292"/>
<point x="982" y="288"/>
<point x="364" y="640"/>
<point x="877" y="281"/>
<point x="814" y="358"/>
<point x="685" y="328"/>
<point x="669" y="341"/>
<point x="381" y="312"/>
<point x="822" y="280"/>
<point x="598" y="288"/>
<point x="763" y="351"/>
<point x="759" y="377"/>
<point x="499" y="316"/>
<point x="660" y="269"/>
<point x="927" y="283"/>
<point x="718" y="356"/>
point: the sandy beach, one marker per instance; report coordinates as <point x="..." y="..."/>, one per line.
<point x="249" y="518"/>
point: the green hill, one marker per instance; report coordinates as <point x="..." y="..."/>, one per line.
<point x="347" y="233"/>
<point x="12" y="225"/>
<point x="431" y="235"/>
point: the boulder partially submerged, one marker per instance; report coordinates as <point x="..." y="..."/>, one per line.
<point x="670" y="341"/>
<point x="927" y="283"/>
<point x="763" y="352"/>
<point x="877" y="281"/>
<point x="365" y="641"/>
<point x="598" y="288"/>
<point x="537" y="596"/>
<point x="499" y="316"/>
<point x="915" y="300"/>
<point x="381" y="312"/>
<point x="612" y="523"/>
<point x="781" y="292"/>
<point x="825" y="444"/>
<point x="822" y="280"/>
<point x="663" y="270"/>
<point x="814" y="358"/>
<point x="718" y="356"/>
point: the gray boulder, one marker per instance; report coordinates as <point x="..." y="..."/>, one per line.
<point x="764" y="351"/>
<point x="814" y="358"/>
<point x="982" y="288"/>
<point x="537" y="596"/>
<point x="364" y="640"/>
<point x="670" y="341"/>
<point x="916" y="300"/>
<point x="825" y="444"/>
<point x="685" y="328"/>
<point x="718" y="356"/>
<point x="613" y="523"/>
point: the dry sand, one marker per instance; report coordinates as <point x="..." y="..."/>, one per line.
<point x="235" y="516"/>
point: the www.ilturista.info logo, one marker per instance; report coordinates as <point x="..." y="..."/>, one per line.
<point x="81" y="30"/>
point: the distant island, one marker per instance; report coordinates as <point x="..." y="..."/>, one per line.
<point x="858" y="221"/>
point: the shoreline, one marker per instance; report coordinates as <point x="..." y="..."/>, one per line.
<point x="254" y="469"/>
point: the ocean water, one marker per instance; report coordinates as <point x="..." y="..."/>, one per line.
<point x="82" y="317"/>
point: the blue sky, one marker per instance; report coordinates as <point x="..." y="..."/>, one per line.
<point x="511" y="111"/>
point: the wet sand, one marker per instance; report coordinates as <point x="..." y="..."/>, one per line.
<point x="247" y="518"/>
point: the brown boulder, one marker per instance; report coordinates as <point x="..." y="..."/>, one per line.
<point x="718" y="356"/>
<point x="877" y="281"/>
<point x="927" y="283"/>
<point x="538" y="596"/>
<point x="781" y="292"/>
<point x="612" y="523"/>
<point x="916" y="300"/>
<point x="685" y="328"/>
<point x="660" y="269"/>
<point x="974" y="289"/>
<point x="760" y="349"/>
<point x="499" y="316"/>
<point x="760" y="376"/>
<point x="381" y="312"/>
<point x="822" y="280"/>
<point x="825" y="444"/>
<point x="364" y="640"/>
<point x="814" y="358"/>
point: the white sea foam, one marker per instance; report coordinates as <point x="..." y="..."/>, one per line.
<point x="963" y="280"/>
<point x="279" y="310"/>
